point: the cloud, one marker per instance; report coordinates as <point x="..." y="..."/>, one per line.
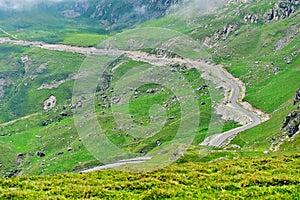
<point x="194" y="8"/>
<point x="22" y="4"/>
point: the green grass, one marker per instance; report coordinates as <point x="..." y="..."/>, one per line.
<point x="269" y="177"/>
<point x="255" y="61"/>
<point x="250" y="55"/>
<point x="84" y="39"/>
<point x="254" y="140"/>
<point x="22" y="96"/>
<point x="61" y="133"/>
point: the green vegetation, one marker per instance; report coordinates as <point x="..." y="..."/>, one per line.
<point x="253" y="53"/>
<point x="253" y="139"/>
<point x="29" y="136"/>
<point x="44" y="24"/>
<point x="271" y="177"/>
<point x="263" y="68"/>
<point x="84" y="39"/>
<point x="24" y="78"/>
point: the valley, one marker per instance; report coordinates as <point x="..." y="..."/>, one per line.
<point x="154" y="91"/>
<point x="218" y="76"/>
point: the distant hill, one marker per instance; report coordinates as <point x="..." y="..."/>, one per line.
<point x="112" y="15"/>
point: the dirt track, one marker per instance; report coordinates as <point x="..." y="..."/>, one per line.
<point x="236" y="109"/>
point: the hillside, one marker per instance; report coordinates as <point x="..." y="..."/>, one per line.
<point x="268" y="178"/>
<point x="50" y="49"/>
<point x="56" y="21"/>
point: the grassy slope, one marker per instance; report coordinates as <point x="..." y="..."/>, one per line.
<point x="46" y="25"/>
<point x="261" y="40"/>
<point x="268" y="177"/>
<point x="271" y="82"/>
<point x="260" y="137"/>
<point x="61" y="134"/>
<point x="22" y="96"/>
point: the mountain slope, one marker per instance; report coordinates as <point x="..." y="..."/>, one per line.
<point x="52" y="22"/>
<point x="260" y="49"/>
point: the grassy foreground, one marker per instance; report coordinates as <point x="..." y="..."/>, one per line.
<point x="270" y="177"/>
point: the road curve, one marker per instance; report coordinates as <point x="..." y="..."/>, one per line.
<point x="219" y="139"/>
<point x="218" y="71"/>
<point x="117" y="164"/>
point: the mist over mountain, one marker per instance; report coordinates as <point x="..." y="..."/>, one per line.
<point x="22" y="4"/>
<point x="111" y="15"/>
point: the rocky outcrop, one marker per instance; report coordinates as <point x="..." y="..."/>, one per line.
<point x="239" y="1"/>
<point x="110" y="13"/>
<point x="282" y="9"/>
<point x="2" y="84"/>
<point x="252" y="18"/>
<point x="50" y="103"/>
<point x="290" y="127"/>
<point x="220" y="35"/>
<point x="297" y="98"/>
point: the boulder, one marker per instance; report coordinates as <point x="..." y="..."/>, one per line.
<point x="40" y="154"/>
<point x="49" y="103"/>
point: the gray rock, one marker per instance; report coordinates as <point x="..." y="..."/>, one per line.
<point x="40" y="154"/>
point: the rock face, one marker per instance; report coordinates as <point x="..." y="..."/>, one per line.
<point x="252" y="18"/>
<point x="49" y="103"/>
<point x="108" y="13"/>
<point x="2" y="84"/>
<point x="221" y="34"/>
<point x="291" y="125"/>
<point x="281" y="10"/>
<point x="297" y="98"/>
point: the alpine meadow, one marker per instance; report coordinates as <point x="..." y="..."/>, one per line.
<point x="160" y="99"/>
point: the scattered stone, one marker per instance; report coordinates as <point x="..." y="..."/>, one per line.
<point x="12" y="173"/>
<point x="158" y="142"/>
<point x="252" y="18"/>
<point x="115" y="100"/>
<point x="266" y="152"/>
<point x="63" y="114"/>
<point x="40" y="154"/>
<point x="288" y="60"/>
<point x="203" y="87"/>
<point x="150" y="91"/>
<point x="20" y="158"/>
<point x="143" y="152"/>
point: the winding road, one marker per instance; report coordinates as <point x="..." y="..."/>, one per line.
<point x="217" y="74"/>
<point x="219" y="140"/>
<point x="117" y="164"/>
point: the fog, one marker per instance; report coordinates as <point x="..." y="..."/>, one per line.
<point x="22" y="4"/>
<point x="194" y="8"/>
<point x="191" y="6"/>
